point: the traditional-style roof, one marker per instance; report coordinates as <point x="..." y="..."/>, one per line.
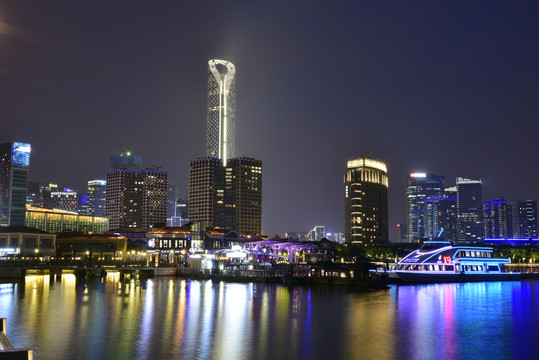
<point x="81" y="236"/>
<point x="171" y="230"/>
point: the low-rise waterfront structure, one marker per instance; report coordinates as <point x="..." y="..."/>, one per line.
<point x="55" y="221"/>
<point x="23" y="241"/>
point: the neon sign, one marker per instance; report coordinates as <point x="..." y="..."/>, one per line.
<point x="447" y="259"/>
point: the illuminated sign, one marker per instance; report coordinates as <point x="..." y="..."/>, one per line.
<point x="418" y="175"/>
<point x="447" y="259"/>
<point x="367" y="163"/>
<point x="20" y="156"/>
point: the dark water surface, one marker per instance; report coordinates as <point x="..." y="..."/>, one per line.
<point x="170" y="318"/>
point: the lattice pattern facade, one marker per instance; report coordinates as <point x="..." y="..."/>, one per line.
<point x="221" y="122"/>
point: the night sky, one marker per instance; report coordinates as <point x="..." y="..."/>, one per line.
<point x="449" y="87"/>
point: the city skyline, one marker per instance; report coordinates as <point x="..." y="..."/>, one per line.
<point x="429" y="87"/>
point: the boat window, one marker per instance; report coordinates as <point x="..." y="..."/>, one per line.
<point x="493" y="268"/>
<point x="478" y="253"/>
<point x="489" y="254"/>
<point x="467" y="254"/>
<point x="448" y="267"/>
<point x="433" y="246"/>
<point x="474" y="267"/>
<point x="480" y="267"/>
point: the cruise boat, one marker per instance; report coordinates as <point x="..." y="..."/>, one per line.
<point x="440" y="261"/>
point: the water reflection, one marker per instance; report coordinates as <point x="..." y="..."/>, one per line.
<point x="165" y="318"/>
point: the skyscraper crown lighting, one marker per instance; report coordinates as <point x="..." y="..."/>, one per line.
<point x="221" y="121"/>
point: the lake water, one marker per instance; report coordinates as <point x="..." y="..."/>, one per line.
<point x="172" y="318"/>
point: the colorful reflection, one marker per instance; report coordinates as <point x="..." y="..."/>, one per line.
<point x="165" y="318"/>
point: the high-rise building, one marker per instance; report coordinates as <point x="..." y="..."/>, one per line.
<point x="497" y="220"/>
<point x="441" y="218"/>
<point x="243" y="195"/>
<point x="207" y="191"/>
<point x="172" y="197"/>
<point x="64" y="200"/>
<point x="123" y="199"/>
<point x="14" y="165"/>
<point x="421" y="187"/>
<point x="136" y="198"/>
<point x="180" y="217"/>
<point x="154" y="196"/>
<point x="97" y="190"/>
<point x="524" y="218"/>
<point x="34" y="196"/>
<point x="470" y="211"/>
<point x="317" y="233"/>
<point x="221" y="121"/>
<point x="366" y="210"/>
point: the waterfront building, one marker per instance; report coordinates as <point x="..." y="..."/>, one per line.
<point x="243" y="195"/>
<point x="91" y="247"/>
<point x="419" y="188"/>
<point x="524" y="219"/>
<point x="366" y="210"/>
<point x="206" y="191"/>
<point x="26" y="241"/>
<point x="14" y="165"/>
<point x="54" y="221"/>
<point x="221" y="120"/>
<point x="97" y="190"/>
<point x="469" y="210"/>
<point x="497" y="219"/>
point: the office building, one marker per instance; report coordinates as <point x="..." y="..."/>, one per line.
<point x="83" y="208"/>
<point x="469" y="210"/>
<point x="497" y="220"/>
<point x="97" y="190"/>
<point x="524" y="219"/>
<point x="419" y="188"/>
<point x="441" y="218"/>
<point x="243" y="195"/>
<point x="207" y="191"/>
<point x="123" y="199"/>
<point x="366" y="209"/>
<point x="14" y="165"/>
<point x="221" y="120"/>
<point x="154" y="196"/>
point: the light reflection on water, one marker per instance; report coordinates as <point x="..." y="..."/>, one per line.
<point x="165" y="318"/>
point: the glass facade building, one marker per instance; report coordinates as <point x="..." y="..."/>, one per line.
<point x="421" y="187"/>
<point x="221" y="120"/>
<point x="497" y="219"/>
<point x="55" y="221"/>
<point x="97" y="190"/>
<point x="366" y="210"/>
<point x="14" y="165"/>
<point x="470" y="211"/>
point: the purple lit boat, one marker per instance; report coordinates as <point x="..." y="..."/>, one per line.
<point x="440" y="261"/>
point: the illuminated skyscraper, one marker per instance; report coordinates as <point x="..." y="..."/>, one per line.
<point x="469" y="210"/>
<point x="366" y="211"/>
<point x="421" y="187"/>
<point x="243" y="195"/>
<point x="206" y="191"/>
<point x="524" y="219"/>
<point x="97" y="197"/>
<point x="497" y="219"/>
<point x="221" y="122"/>
<point x="14" y="164"/>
